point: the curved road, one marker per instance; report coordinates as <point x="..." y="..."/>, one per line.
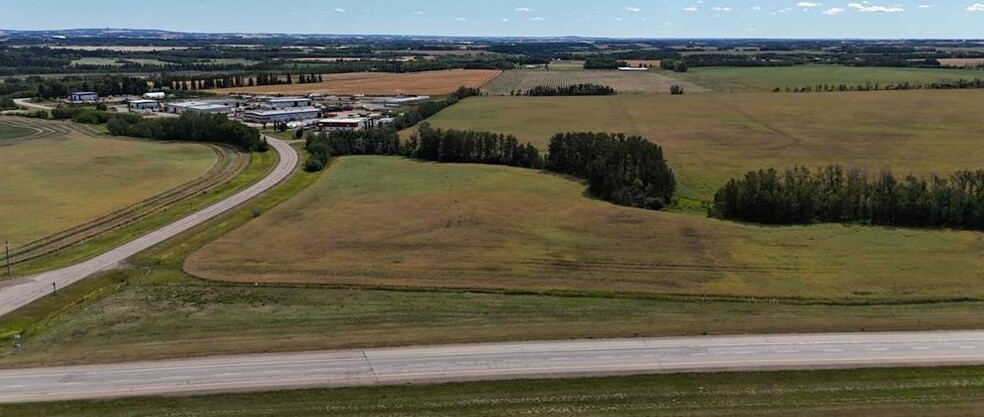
<point x="491" y="362"/>
<point x="26" y="103"/>
<point x="18" y="292"/>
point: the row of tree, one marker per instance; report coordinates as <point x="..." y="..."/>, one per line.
<point x="836" y="194"/>
<point x="629" y="171"/>
<point x="571" y="90"/>
<point x="960" y="84"/>
<point x="422" y="112"/>
<point x="190" y="127"/>
<point x="185" y="83"/>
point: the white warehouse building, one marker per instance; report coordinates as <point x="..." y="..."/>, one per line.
<point x="281" y="115"/>
<point x="208" y="107"/>
<point x="143" y="104"/>
<point x="288" y="102"/>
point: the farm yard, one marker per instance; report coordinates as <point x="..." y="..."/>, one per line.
<point x="625" y="82"/>
<point x="392" y="222"/>
<point x="711" y="138"/>
<point x="51" y="175"/>
<point x="376" y="83"/>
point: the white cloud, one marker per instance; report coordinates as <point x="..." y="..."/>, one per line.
<point x="834" y="11"/>
<point x="924" y="6"/>
<point x="722" y="9"/>
<point x="690" y="9"/>
<point x="869" y="8"/>
<point x="339" y="10"/>
<point x="537" y="19"/>
<point x="808" y="4"/>
<point x="976" y="7"/>
<point x="460" y="19"/>
<point x="417" y="13"/>
<point x="523" y="10"/>
<point x="633" y="9"/>
<point x="505" y="19"/>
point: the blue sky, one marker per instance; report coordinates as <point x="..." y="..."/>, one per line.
<point x="616" y="18"/>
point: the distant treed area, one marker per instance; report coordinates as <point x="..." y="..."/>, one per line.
<point x="573" y="90"/>
<point x="836" y="194"/>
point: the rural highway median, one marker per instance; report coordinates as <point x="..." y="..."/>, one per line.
<point x="491" y="362"/>
<point x="19" y="292"/>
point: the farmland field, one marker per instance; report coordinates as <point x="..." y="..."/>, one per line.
<point x="11" y="132"/>
<point x="710" y="138"/>
<point x="941" y="392"/>
<point x="375" y="83"/>
<point x="962" y="62"/>
<point x="49" y="182"/>
<point x="391" y="222"/>
<point x="734" y="79"/>
<point x="625" y="82"/>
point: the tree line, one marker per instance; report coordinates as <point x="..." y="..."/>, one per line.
<point x="629" y="171"/>
<point x="571" y="90"/>
<point x="603" y="62"/>
<point x="625" y="170"/>
<point x="190" y="127"/>
<point x="835" y="194"/>
<point x="960" y="84"/>
<point x="426" y="110"/>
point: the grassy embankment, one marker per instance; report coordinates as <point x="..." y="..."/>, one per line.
<point x="869" y="393"/>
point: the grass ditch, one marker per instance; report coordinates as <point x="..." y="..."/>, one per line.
<point x="938" y="392"/>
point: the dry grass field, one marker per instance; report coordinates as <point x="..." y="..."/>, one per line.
<point x="67" y="178"/>
<point x="739" y="79"/>
<point x="962" y="62"/>
<point x="378" y="83"/>
<point x="625" y="82"/>
<point x="391" y="222"/>
<point x="710" y="138"/>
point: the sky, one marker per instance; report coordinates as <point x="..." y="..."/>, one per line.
<point x="957" y="19"/>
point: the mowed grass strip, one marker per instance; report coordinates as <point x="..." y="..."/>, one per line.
<point x="867" y="393"/>
<point x="10" y="132"/>
<point x="739" y="79"/>
<point x="55" y="183"/>
<point x="375" y="83"/>
<point x="711" y="138"/>
<point x="392" y="222"/>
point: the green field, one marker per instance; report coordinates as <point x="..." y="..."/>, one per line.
<point x="711" y="138"/>
<point x="49" y="184"/>
<point x="736" y="79"/>
<point x="391" y="222"/>
<point x="868" y="393"/>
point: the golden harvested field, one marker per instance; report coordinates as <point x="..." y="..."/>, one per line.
<point x="63" y="180"/>
<point x="962" y="62"/>
<point x="377" y="83"/>
<point x="711" y="138"/>
<point x="625" y="82"/>
<point x="386" y="221"/>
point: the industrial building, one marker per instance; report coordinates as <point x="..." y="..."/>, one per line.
<point x="157" y="95"/>
<point x="143" y="104"/>
<point x="288" y="102"/>
<point x="281" y="115"/>
<point x="83" y="97"/>
<point x="342" y="124"/>
<point x="207" y="107"/>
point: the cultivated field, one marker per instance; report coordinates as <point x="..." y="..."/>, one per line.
<point x="625" y="82"/>
<point x="377" y="83"/>
<point x="11" y="133"/>
<point x="379" y="221"/>
<point x="64" y="177"/>
<point x="710" y="138"/>
<point x="735" y="79"/>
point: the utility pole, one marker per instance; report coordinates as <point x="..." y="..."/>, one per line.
<point x="6" y="248"/>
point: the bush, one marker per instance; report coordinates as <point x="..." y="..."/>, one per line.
<point x="190" y="127"/>
<point x="313" y="164"/>
<point x="676" y="90"/>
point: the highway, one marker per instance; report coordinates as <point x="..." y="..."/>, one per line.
<point x="18" y="292"/>
<point x="492" y="362"/>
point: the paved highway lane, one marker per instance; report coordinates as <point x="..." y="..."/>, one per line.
<point x="18" y="292"/>
<point x="490" y="362"/>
